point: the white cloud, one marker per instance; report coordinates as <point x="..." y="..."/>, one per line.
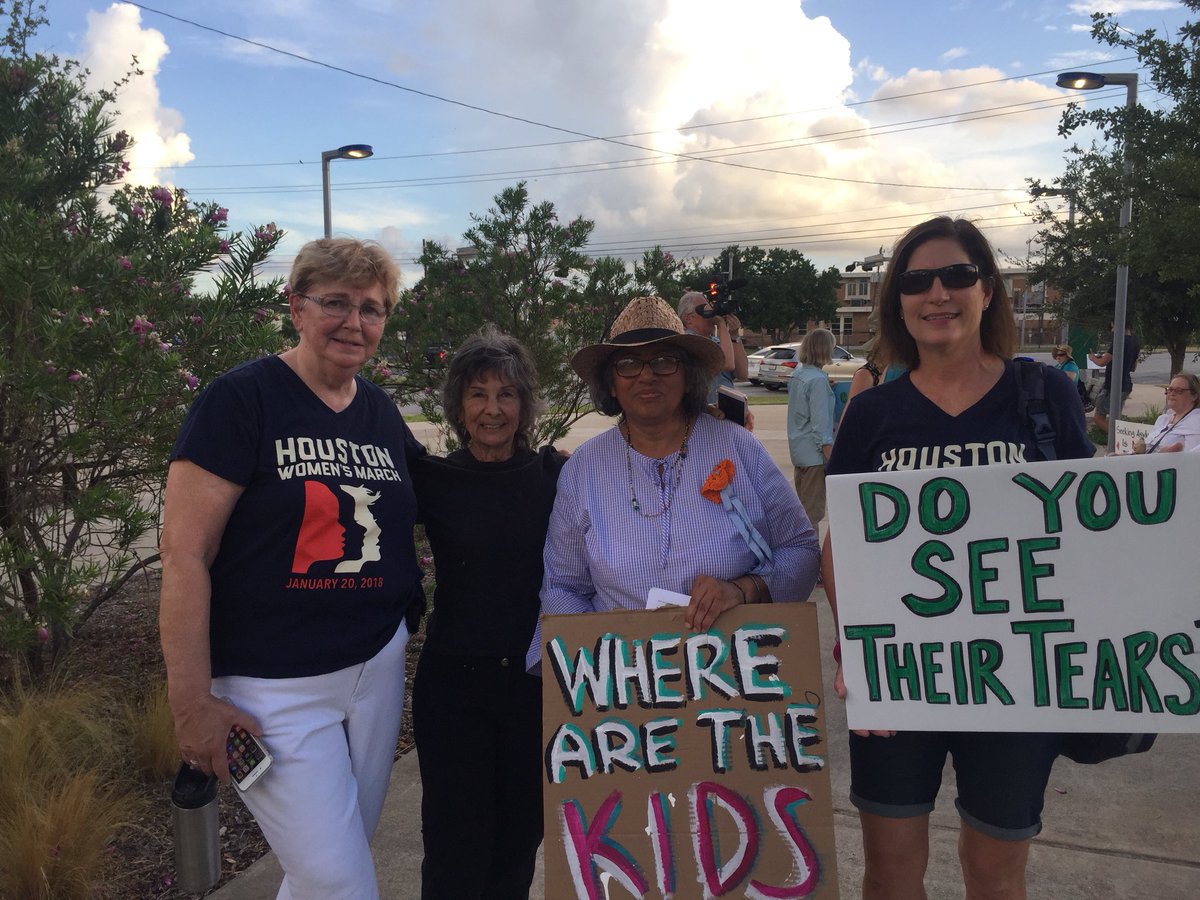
<point x="954" y="53"/>
<point x="1118" y="7"/>
<point x="114" y="38"/>
<point x="1076" y="58"/>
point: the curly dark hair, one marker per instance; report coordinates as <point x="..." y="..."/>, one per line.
<point x="997" y="331"/>
<point x="696" y="383"/>
<point x="492" y="352"/>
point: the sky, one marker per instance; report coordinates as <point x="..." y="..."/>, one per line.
<point x="828" y="126"/>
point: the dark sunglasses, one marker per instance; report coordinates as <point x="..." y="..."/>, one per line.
<point x="631" y="366"/>
<point x="918" y="281"/>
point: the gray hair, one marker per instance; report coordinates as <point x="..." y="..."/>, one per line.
<point x="817" y="348"/>
<point x="696" y="384"/>
<point x="491" y="352"/>
<point x="689" y="301"/>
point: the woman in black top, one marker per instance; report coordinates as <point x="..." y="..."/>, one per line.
<point x="946" y="317"/>
<point x="477" y="714"/>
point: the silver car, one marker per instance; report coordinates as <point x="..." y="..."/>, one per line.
<point x="781" y="360"/>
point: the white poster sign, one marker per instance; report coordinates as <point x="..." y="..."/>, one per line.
<point x="1128" y="432"/>
<point x="1049" y="596"/>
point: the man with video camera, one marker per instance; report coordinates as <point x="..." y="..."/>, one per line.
<point x="721" y="327"/>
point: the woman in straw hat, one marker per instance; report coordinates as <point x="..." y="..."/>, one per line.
<point x="633" y="512"/>
<point x="1064" y="361"/>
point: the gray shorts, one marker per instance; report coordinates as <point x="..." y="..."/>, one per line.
<point x="1104" y="398"/>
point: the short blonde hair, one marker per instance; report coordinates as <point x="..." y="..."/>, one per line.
<point x="817" y="348"/>
<point x="347" y="260"/>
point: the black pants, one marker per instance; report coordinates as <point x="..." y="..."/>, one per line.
<point x="478" y="726"/>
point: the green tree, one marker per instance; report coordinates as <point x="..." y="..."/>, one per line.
<point x="105" y="336"/>
<point x="1159" y="247"/>
<point x="784" y="289"/>
<point x="524" y="273"/>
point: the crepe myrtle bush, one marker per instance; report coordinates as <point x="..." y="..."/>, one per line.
<point x="117" y="304"/>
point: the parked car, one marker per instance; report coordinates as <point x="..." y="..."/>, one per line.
<point x="779" y="363"/>
<point x="753" y="360"/>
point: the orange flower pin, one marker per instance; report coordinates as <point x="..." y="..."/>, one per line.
<point x="718" y="479"/>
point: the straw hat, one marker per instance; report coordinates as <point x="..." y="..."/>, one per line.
<point x="1065" y="348"/>
<point x="646" y="320"/>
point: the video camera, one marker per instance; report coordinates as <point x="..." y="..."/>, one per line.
<point x="720" y="301"/>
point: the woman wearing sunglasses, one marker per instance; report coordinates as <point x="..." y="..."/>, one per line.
<point x="946" y="316"/>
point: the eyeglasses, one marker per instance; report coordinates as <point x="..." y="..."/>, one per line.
<point x="918" y="281"/>
<point x="631" y="366"/>
<point x="340" y="308"/>
<point x="1174" y="391"/>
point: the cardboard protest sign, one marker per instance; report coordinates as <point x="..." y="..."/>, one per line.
<point x="1051" y="596"/>
<point x="685" y="765"/>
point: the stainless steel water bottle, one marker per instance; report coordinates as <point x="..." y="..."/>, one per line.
<point x="197" y="841"/>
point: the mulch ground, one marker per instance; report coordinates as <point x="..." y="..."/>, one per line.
<point x="120" y="642"/>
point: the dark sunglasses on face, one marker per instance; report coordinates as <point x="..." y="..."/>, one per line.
<point x="918" y="281"/>
<point x="631" y="366"/>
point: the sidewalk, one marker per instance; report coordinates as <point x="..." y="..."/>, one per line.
<point x="1126" y="828"/>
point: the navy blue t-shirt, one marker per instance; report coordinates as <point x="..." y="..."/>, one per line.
<point x="316" y="565"/>
<point x="895" y="427"/>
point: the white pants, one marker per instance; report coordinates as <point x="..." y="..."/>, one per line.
<point x="333" y="738"/>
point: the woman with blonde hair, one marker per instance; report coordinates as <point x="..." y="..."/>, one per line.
<point x="810" y="420"/>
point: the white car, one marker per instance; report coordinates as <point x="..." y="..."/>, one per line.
<point x="781" y="360"/>
<point x="753" y="360"/>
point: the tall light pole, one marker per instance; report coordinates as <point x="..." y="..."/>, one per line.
<point x="349" y="151"/>
<point x="1089" y="81"/>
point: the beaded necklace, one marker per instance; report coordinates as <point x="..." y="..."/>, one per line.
<point x="671" y="488"/>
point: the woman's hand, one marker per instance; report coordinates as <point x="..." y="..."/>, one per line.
<point x="202" y="729"/>
<point x="839" y="688"/>
<point x="710" y="597"/>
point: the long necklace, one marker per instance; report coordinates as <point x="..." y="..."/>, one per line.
<point x="670" y="494"/>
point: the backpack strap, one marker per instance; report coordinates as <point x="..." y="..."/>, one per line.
<point x="1032" y="407"/>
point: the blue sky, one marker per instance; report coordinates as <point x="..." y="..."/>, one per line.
<point x="825" y="125"/>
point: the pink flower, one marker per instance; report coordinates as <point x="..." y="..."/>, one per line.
<point x="141" y="326"/>
<point x="162" y="195"/>
<point x="43" y="635"/>
<point x="217" y="216"/>
<point x="223" y="245"/>
<point x="137" y="211"/>
<point x="383" y="371"/>
<point x="74" y="375"/>
<point x="101" y="311"/>
<point x="87" y="320"/>
<point x="51" y="368"/>
<point x="189" y="379"/>
<point x="124" y="262"/>
<point x="197" y="320"/>
<point x="163" y="346"/>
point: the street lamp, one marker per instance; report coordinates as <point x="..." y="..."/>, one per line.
<point x="350" y="151"/>
<point x="1089" y="81"/>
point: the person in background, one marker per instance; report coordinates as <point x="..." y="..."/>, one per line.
<point x="1065" y="362"/>
<point x="1128" y="365"/>
<point x="288" y="570"/>
<point x="485" y="508"/>
<point x="872" y="373"/>
<point x="810" y="420"/>
<point x="1179" y="427"/>
<point x="724" y="331"/>
<point x="631" y="512"/>
<point x="946" y="316"/>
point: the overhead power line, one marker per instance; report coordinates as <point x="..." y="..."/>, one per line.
<point x="528" y="121"/>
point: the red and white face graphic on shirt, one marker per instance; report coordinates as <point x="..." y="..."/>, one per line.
<point x="323" y="535"/>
